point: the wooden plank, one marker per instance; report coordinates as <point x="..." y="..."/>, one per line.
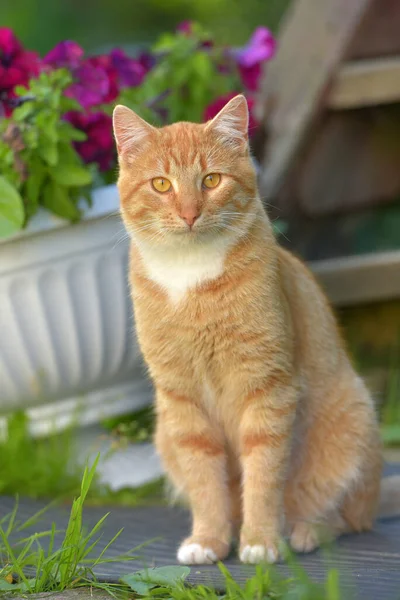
<point x="360" y="279"/>
<point x="378" y="33"/>
<point x="313" y="40"/>
<point x="366" y="83"/>
<point x="351" y="162"/>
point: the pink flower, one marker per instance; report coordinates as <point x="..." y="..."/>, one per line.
<point x="260" y="48"/>
<point x="17" y="66"/>
<point x="99" y="146"/>
<point x="213" y="109"/>
<point x="185" y="27"/>
<point x="66" y="54"/>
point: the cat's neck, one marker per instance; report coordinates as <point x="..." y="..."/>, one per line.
<point x="178" y="268"/>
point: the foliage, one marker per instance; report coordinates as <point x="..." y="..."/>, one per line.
<point x="37" y="159"/>
<point x="37" y="468"/>
<point x="39" y="563"/>
<point x="136" y="427"/>
<point x="189" y="74"/>
<point x="144" y="581"/>
<point x="37" y="568"/>
<point x="56" y="130"/>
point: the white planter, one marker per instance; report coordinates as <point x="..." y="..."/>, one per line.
<point x="66" y="329"/>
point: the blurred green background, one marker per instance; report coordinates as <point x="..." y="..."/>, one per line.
<point x="97" y="24"/>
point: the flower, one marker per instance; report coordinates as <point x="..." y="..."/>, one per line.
<point x="66" y="54"/>
<point x="99" y="145"/>
<point x="97" y="79"/>
<point x="215" y="107"/>
<point x="94" y="78"/>
<point x="185" y="27"/>
<point x="130" y="72"/>
<point x="17" y="66"/>
<point x="260" y="48"/>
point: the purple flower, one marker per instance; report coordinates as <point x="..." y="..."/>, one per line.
<point x="260" y="48"/>
<point x="91" y="86"/>
<point x="130" y="72"/>
<point x="66" y="54"/>
<point x="99" y="146"/>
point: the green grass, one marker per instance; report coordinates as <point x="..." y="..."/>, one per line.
<point x="266" y="584"/>
<point x="38" y="567"/>
<point x="50" y="468"/>
<point x="33" y="564"/>
<point x="37" y="468"/>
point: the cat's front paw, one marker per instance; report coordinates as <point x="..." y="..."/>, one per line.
<point x="259" y="551"/>
<point x="304" y="537"/>
<point x="202" y="551"/>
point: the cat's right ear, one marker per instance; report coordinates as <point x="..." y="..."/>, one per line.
<point x="131" y="131"/>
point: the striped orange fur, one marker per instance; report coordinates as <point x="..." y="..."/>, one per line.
<point x="262" y="422"/>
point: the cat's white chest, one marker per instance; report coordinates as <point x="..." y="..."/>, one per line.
<point x="178" y="270"/>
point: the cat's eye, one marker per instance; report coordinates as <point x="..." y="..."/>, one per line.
<point x="211" y="180"/>
<point x="160" y="184"/>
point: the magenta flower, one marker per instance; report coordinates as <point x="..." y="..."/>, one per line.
<point x="185" y="27"/>
<point x="97" y="79"/>
<point x="213" y="109"/>
<point x="260" y="48"/>
<point x="17" y="66"/>
<point x="66" y="54"/>
<point x="91" y="86"/>
<point x="99" y="146"/>
<point x="94" y="79"/>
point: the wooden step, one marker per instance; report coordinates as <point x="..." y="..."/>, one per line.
<point x="366" y="83"/>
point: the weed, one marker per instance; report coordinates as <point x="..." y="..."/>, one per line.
<point x="37" y="568"/>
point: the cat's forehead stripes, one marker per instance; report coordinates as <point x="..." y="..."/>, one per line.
<point x="183" y="146"/>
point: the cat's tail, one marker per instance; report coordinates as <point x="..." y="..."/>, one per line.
<point x="389" y="502"/>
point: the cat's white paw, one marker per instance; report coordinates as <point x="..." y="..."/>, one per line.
<point x="195" y="554"/>
<point x="258" y="554"/>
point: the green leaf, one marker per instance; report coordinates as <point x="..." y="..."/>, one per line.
<point x="8" y="587"/>
<point x="67" y="104"/>
<point x="143" y="581"/>
<point x="11" y="208"/>
<point x="68" y="132"/>
<point x="24" y="111"/>
<point x="33" y="185"/>
<point x="21" y="90"/>
<point x="71" y="175"/>
<point x="47" y="150"/>
<point x="56" y="199"/>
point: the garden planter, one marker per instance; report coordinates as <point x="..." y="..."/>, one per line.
<point x="68" y="348"/>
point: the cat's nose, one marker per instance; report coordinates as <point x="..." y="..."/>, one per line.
<point x="189" y="215"/>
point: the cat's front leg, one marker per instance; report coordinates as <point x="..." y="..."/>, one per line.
<point x="193" y="454"/>
<point x="265" y="440"/>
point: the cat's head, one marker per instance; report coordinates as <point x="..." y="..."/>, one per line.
<point x="187" y="182"/>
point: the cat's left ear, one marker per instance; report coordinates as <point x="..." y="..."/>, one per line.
<point x="232" y="123"/>
<point x="131" y="132"/>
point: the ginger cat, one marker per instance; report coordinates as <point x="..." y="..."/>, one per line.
<point x="262" y="422"/>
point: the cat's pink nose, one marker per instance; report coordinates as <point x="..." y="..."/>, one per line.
<point x="189" y="215"/>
